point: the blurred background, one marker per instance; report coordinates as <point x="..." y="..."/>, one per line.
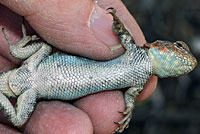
<point x="174" y="108"/>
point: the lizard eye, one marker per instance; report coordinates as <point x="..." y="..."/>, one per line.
<point x="182" y="44"/>
<point x="179" y="45"/>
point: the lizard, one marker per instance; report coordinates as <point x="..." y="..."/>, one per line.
<point x="63" y="76"/>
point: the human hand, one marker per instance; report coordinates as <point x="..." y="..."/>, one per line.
<point x="79" y="27"/>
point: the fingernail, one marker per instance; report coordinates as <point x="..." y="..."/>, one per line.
<point x="101" y="25"/>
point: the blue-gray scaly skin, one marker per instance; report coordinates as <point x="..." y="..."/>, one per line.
<point x="66" y="77"/>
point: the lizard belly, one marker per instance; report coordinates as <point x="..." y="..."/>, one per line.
<point x="67" y="83"/>
<point x="80" y="77"/>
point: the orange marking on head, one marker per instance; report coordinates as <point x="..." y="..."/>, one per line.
<point x="148" y="46"/>
<point x="162" y="49"/>
<point x="158" y="45"/>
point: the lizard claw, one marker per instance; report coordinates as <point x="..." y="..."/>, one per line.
<point x="116" y="132"/>
<point x="34" y="38"/>
<point x="116" y="123"/>
<point x="118" y="26"/>
<point x="113" y="11"/>
<point x="120" y="112"/>
<point x="111" y="8"/>
<point x="124" y="123"/>
<point x="30" y="38"/>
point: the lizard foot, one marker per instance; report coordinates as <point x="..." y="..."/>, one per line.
<point x="118" y="26"/>
<point x="22" y="50"/>
<point x="124" y="123"/>
<point x="31" y="38"/>
<point x="28" y="38"/>
<point x="25" y="37"/>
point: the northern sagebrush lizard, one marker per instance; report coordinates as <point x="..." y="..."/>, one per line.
<point x="66" y="77"/>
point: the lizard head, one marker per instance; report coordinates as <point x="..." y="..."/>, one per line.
<point x="170" y="59"/>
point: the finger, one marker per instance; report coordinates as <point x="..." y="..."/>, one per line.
<point x="58" y="118"/>
<point x="69" y="25"/>
<point x="103" y="109"/>
<point x="5" y="64"/>
<point x="7" y="130"/>
<point x="11" y="30"/>
<point x="149" y="88"/>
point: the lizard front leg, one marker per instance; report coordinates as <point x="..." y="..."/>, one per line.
<point x="118" y="27"/>
<point x="130" y="97"/>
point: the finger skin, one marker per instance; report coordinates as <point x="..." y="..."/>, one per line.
<point x="7" y="130"/>
<point x="61" y="26"/>
<point x="5" y="64"/>
<point x="55" y="117"/>
<point x="103" y="108"/>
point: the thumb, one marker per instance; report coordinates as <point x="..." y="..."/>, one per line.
<point x="75" y="26"/>
<point x="79" y="26"/>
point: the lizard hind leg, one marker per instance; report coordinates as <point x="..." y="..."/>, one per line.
<point x="21" y="50"/>
<point x="25" y="105"/>
<point x="4" y="86"/>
